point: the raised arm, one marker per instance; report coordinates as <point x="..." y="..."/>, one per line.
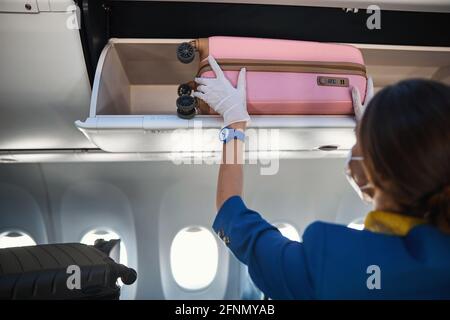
<point x="230" y="181"/>
<point x="231" y="103"/>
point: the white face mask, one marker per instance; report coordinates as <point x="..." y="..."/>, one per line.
<point x="353" y="179"/>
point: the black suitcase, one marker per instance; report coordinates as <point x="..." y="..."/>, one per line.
<point x="62" y="271"/>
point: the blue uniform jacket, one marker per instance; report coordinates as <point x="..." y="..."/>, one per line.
<point x="336" y="262"/>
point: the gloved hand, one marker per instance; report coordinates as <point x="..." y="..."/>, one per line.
<point x="358" y="107"/>
<point x="228" y="101"/>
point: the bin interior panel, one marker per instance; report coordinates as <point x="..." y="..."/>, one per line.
<point x="153" y="99"/>
<point x="154" y="64"/>
<point x="142" y="79"/>
<point x="114" y="89"/>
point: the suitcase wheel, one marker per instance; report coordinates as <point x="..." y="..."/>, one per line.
<point x="186" y="52"/>
<point x="184" y="89"/>
<point x="186" y="107"/>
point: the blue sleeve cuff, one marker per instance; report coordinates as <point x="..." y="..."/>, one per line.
<point x="231" y="208"/>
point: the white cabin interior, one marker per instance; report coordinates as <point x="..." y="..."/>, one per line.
<point x="74" y="167"/>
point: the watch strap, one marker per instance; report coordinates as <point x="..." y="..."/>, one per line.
<point x="234" y="134"/>
<point x="240" y="135"/>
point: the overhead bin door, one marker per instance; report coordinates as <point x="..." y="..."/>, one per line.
<point x="133" y="103"/>
<point x="133" y="108"/>
<point x="136" y="111"/>
<point x="44" y="85"/>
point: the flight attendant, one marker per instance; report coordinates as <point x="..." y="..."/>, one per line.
<point x="402" y="166"/>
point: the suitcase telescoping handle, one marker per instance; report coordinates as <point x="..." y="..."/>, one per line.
<point x="111" y="248"/>
<point x="127" y="275"/>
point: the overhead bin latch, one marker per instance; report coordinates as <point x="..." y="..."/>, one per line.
<point x="19" y="6"/>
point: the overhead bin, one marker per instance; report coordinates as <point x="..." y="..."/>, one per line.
<point x="136" y="73"/>
<point x="133" y="108"/>
<point x="133" y="103"/>
<point x="44" y="83"/>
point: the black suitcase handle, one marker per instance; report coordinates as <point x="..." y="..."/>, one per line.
<point x="127" y="275"/>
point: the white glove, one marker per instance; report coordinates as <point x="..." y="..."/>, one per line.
<point x="228" y="101"/>
<point x="358" y="107"/>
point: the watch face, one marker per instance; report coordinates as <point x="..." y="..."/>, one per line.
<point x="223" y="134"/>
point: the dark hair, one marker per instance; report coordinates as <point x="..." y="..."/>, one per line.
<point x="405" y="141"/>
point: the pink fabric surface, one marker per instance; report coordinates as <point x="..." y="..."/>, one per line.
<point x="295" y="93"/>
<point x="276" y="49"/>
<point x="288" y="92"/>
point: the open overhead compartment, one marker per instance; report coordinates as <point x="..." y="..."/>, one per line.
<point x="133" y="108"/>
<point x="133" y="104"/>
<point x="131" y="48"/>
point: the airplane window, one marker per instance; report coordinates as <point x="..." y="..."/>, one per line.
<point x="288" y="231"/>
<point x="357" y="224"/>
<point x="90" y="237"/>
<point x="194" y="258"/>
<point x="11" y="239"/>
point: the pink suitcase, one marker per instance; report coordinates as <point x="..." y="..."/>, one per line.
<point x="284" y="76"/>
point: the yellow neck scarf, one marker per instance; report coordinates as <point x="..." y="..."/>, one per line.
<point x="390" y="223"/>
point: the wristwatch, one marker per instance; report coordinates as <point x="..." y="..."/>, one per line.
<point x="227" y="134"/>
